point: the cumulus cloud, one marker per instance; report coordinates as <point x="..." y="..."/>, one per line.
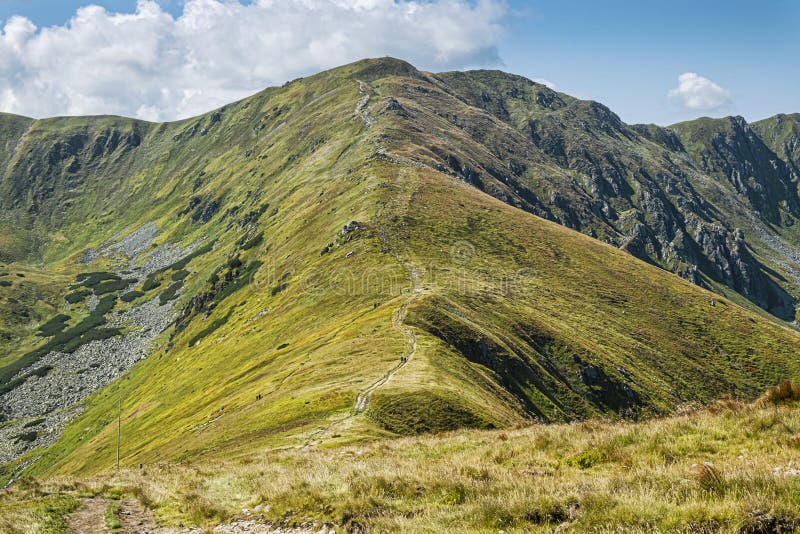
<point x="699" y="93"/>
<point x="154" y="66"/>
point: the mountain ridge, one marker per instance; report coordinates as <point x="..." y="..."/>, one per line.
<point x="285" y="237"/>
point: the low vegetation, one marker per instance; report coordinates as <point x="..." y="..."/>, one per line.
<point x="112" y="516"/>
<point x="484" y="315"/>
<point x="729" y="468"/>
<point x="87" y="329"/>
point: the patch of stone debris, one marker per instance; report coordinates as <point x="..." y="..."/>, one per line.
<point x="138" y="250"/>
<point x="75" y="376"/>
<point x="135" y="243"/>
<point x="38" y="410"/>
<point x="160" y="257"/>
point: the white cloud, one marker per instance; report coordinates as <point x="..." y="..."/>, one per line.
<point x="546" y="83"/>
<point x="154" y="66"/>
<point x="699" y="93"/>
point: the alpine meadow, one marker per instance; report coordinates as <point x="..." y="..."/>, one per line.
<point x="380" y="299"/>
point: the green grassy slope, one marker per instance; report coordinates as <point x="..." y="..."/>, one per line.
<point x="637" y="187"/>
<point x="483" y="315"/>
<point x="781" y="134"/>
<point x="728" y="469"/>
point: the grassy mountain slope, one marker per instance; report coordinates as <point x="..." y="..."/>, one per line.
<point x="782" y="134"/>
<point x="575" y="162"/>
<point x="731" y="468"/>
<point x="350" y="279"/>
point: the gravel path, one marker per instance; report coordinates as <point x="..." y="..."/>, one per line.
<point x="90" y="517"/>
<point x="136" y="519"/>
<point x="362" y="111"/>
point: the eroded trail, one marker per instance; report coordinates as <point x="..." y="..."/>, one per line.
<point x="398" y="320"/>
<point x="90" y="517"/>
<point x="362" y="111"/>
<point x="132" y="517"/>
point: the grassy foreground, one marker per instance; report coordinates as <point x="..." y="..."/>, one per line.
<point x="731" y="467"/>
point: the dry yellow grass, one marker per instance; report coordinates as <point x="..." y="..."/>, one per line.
<point x="729" y="468"/>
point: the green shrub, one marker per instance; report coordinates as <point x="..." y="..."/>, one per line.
<point x="279" y="288"/>
<point x="54" y="326"/>
<point x="110" y="286"/>
<point x="35" y="422"/>
<point x="95" y="334"/>
<point x="170" y="293"/>
<point x="105" y="305"/>
<point x="586" y="459"/>
<point x="150" y="283"/>
<point x="131" y="296"/>
<point x="77" y="296"/>
<point x="26" y="437"/>
<point x="93" y="279"/>
<point x="5" y="283"/>
<point x="41" y="371"/>
<point x="180" y="275"/>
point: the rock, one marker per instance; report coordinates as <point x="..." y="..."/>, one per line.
<point x="352" y="226"/>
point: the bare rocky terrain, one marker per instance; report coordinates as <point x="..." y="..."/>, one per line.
<point x="41" y="406"/>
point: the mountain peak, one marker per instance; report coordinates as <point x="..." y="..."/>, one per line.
<point x="377" y="68"/>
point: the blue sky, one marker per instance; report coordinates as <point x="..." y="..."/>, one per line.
<point x="625" y="54"/>
<point x="628" y="54"/>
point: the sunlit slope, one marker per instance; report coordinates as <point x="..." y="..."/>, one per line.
<point x="74" y="183"/>
<point x="373" y="290"/>
<point x="514" y="318"/>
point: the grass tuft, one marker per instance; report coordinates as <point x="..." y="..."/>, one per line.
<point x="785" y="391"/>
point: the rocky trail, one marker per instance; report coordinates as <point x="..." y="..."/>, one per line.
<point x="363" y="399"/>
<point x="362" y="111"/>
<point x="133" y="518"/>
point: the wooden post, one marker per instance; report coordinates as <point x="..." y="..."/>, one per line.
<point x="119" y="427"/>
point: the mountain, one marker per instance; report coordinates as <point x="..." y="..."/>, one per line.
<point x="636" y="187"/>
<point x="379" y="251"/>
